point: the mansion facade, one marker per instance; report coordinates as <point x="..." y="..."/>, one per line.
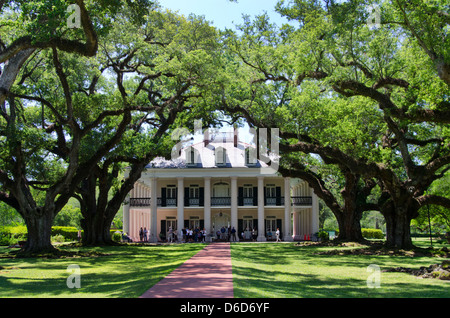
<point x="217" y="183"/>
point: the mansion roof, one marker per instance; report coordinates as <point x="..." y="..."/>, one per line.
<point x="220" y="152"/>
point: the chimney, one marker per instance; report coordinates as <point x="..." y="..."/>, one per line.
<point x="206" y="137"/>
<point x="236" y="135"/>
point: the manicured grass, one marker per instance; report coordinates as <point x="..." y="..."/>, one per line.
<point x="285" y="270"/>
<point x="260" y="270"/>
<point x="128" y="271"/>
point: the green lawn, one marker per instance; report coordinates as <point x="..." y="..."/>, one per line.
<point x="127" y="272"/>
<point x="273" y="270"/>
<point x="289" y="271"/>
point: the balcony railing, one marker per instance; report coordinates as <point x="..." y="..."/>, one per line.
<point x="167" y="202"/>
<point x="248" y="202"/>
<point x="194" y="201"/>
<point x="140" y="202"/>
<point x="297" y="201"/>
<point x="223" y="201"/>
<point x="274" y="201"/>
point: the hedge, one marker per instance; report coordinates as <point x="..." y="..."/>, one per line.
<point x="367" y="233"/>
<point x="372" y="233"/>
<point x="69" y="233"/>
<point x="10" y="235"/>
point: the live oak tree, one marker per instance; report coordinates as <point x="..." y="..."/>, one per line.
<point x="76" y="110"/>
<point x="436" y="216"/>
<point x="413" y="95"/>
<point x="44" y="124"/>
<point x="265" y="96"/>
<point x="170" y="62"/>
<point x="427" y="22"/>
<point x="400" y="142"/>
<point x="30" y="26"/>
<point x="387" y="66"/>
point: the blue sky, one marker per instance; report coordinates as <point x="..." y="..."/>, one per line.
<point x="223" y="13"/>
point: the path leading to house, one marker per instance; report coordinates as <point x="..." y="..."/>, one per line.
<point x="206" y="275"/>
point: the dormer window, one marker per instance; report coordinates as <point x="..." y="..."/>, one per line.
<point x="250" y="156"/>
<point x="191" y="156"/>
<point x="221" y="156"/>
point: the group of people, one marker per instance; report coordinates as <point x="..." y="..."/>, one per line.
<point x="187" y="235"/>
<point x="194" y="235"/>
<point x="199" y="235"/>
<point x="143" y="234"/>
<point x="252" y="234"/>
<point x="249" y="234"/>
<point x="226" y="234"/>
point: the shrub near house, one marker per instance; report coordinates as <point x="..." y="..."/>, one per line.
<point x="372" y="233"/>
<point x="12" y="235"/>
<point x="69" y="233"/>
<point x="367" y="234"/>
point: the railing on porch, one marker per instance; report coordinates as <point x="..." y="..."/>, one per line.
<point x="221" y="201"/>
<point x="297" y="201"/>
<point x="268" y="201"/>
<point x="248" y="201"/>
<point x="146" y="202"/>
<point x="194" y="202"/>
<point x="140" y="202"/>
<point x="274" y="201"/>
<point x="169" y="201"/>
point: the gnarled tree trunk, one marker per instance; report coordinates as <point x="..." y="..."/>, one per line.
<point x="99" y="210"/>
<point x="398" y="215"/>
<point x="350" y="217"/>
<point x="39" y="225"/>
<point x="96" y="229"/>
<point x="349" y="223"/>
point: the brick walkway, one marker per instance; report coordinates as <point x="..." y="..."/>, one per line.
<point x="206" y="275"/>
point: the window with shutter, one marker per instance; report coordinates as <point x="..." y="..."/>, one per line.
<point x="221" y="156"/>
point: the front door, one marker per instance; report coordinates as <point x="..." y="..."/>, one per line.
<point x="171" y="224"/>
<point x="194" y="223"/>
<point x="271" y="228"/>
<point x="221" y="220"/>
<point x="247" y="224"/>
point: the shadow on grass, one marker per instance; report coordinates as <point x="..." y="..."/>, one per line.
<point x="259" y="284"/>
<point x="289" y="271"/>
<point x="127" y="271"/>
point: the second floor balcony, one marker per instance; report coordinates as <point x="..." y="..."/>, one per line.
<point x="221" y="201"/>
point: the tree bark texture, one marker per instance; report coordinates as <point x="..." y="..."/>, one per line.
<point x="39" y="226"/>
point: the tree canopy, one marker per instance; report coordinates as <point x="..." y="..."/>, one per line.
<point x="359" y="90"/>
<point x="372" y="102"/>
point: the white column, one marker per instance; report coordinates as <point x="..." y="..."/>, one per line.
<point x="307" y="216"/>
<point x="261" y="229"/>
<point x="303" y="224"/>
<point x="180" y="207"/>
<point x="315" y="213"/>
<point x="131" y="226"/>
<point x="307" y="222"/>
<point x="153" y="235"/>
<point x="126" y="215"/>
<point x="295" y="225"/>
<point x="234" y="204"/>
<point x="287" y="210"/>
<point x="207" y="208"/>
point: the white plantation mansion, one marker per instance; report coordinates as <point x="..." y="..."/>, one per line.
<point x="218" y="183"/>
